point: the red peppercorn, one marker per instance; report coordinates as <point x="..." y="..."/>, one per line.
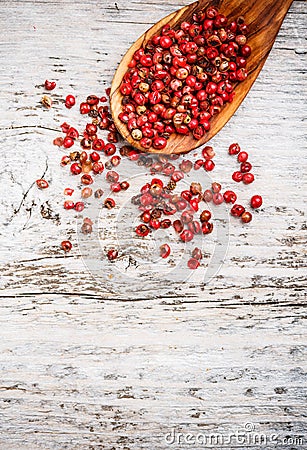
<point x="166" y="223"/>
<point x="92" y="100"/>
<point x="142" y="230"/>
<point x="217" y="198"/>
<point x="194" y="226"/>
<point x="155" y="224"/>
<point x="70" y="101"/>
<point x="115" y="160"/>
<point x="207" y="196"/>
<point x="91" y="129"/>
<point x="50" y="85"/>
<point x="145" y="217"/>
<point x="248" y="178"/>
<point x="94" y="156"/>
<point x="246" y="167"/>
<point x="159" y="143"/>
<point x="207" y="227"/>
<point x="124" y="185"/>
<point x="186" y="235"/>
<point x="73" y="133"/>
<point x="75" y="169"/>
<point x="256" y="201"/>
<point x="187" y="216"/>
<point x="194" y="204"/>
<point x="79" y="206"/>
<point x="98" y="167"/>
<point x="109" y="149"/>
<point x="112" y="176"/>
<point x="115" y="187"/>
<point x="68" y="142"/>
<point x="84" y="108"/>
<point x="246" y="217"/>
<point x="229" y="197"/>
<point x="208" y="152"/>
<point x="245" y="51"/>
<point x="178" y="226"/>
<point x="65" y="160"/>
<point x="86" y="179"/>
<point x="109" y="203"/>
<point x="197" y="253"/>
<point x="86" y="192"/>
<point x="42" y="184"/>
<point x="68" y="191"/>
<point x="193" y="263"/>
<point x="198" y="164"/>
<point x="186" y="195"/>
<point x="242" y="157"/>
<point x="66" y="246"/>
<point x="58" y="141"/>
<point x="237" y="210"/>
<point x="165" y="41"/>
<point x="216" y="187"/>
<point x="237" y="176"/>
<point x="234" y="149"/>
<point x="165" y="251"/>
<point x="112" y="254"/>
<point x="209" y="165"/>
<point x="68" y="204"/>
<point x="205" y="216"/>
<point x="98" y="145"/>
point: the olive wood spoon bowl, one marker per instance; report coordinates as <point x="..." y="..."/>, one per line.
<point x="264" y="18"/>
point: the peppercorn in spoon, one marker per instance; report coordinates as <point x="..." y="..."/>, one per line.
<point x="192" y="71"/>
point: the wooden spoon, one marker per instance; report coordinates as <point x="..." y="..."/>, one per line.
<point x="264" y="19"/>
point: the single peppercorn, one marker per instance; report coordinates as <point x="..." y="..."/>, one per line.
<point x="237" y="176"/>
<point x="248" y="178"/>
<point x="165" y="251"/>
<point x="229" y="197"/>
<point x="42" y="184"/>
<point x="98" y="193"/>
<point x="112" y="254"/>
<point x="234" y="149"/>
<point x="242" y="157"/>
<point x="245" y="167"/>
<point x="246" y="217"/>
<point x="237" y="210"/>
<point x="49" y="85"/>
<point x="197" y="253"/>
<point x="109" y="203"/>
<point x="142" y="230"/>
<point x="68" y="191"/>
<point x="66" y="246"/>
<point x="193" y="263"/>
<point x="70" y="101"/>
<point x="79" y="206"/>
<point x="256" y="201"/>
<point x="208" y="165"/>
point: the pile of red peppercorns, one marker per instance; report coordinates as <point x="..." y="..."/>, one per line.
<point x="182" y="77"/>
<point x="160" y="199"/>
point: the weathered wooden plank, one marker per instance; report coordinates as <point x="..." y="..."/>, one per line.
<point x="117" y="361"/>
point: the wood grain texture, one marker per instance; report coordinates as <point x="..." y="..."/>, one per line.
<point x="116" y="360"/>
<point x="264" y="20"/>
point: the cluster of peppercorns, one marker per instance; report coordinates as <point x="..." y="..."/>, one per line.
<point x="158" y="200"/>
<point x="182" y="77"/>
<point x="245" y="166"/>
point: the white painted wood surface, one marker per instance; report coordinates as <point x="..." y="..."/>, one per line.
<point x="116" y="361"/>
